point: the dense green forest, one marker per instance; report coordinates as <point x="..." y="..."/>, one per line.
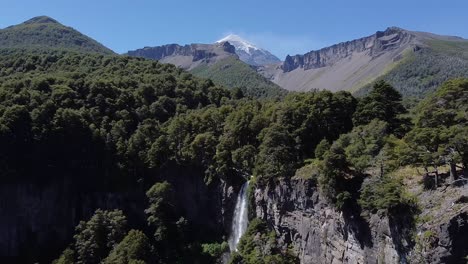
<point x="112" y="122"/>
<point x="115" y="121"/>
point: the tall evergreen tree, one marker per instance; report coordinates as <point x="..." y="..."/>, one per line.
<point x="382" y="103"/>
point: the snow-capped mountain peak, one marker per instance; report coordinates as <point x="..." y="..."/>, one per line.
<point x="248" y="52"/>
<point x="239" y="43"/>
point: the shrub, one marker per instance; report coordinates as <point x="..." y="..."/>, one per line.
<point x="215" y="250"/>
<point x="384" y="193"/>
<point x="135" y="247"/>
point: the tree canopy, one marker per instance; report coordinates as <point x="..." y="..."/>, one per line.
<point x="383" y="103"/>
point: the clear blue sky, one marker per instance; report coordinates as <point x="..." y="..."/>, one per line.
<point x="283" y="27"/>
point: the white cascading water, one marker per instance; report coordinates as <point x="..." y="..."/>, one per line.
<point x="240" y="219"/>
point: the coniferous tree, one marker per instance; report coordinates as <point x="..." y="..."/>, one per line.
<point x="382" y="103"/>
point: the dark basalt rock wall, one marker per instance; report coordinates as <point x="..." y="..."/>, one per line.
<point x="37" y="221"/>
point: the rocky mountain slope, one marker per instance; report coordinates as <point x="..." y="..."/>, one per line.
<point x="219" y="62"/>
<point x="394" y="54"/>
<point x="187" y="57"/>
<point x="248" y="52"/>
<point x="45" y="32"/>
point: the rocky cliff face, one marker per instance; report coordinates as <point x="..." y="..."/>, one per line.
<point x="37" y="221"/>
<point x="188" y="56"/>
<point x="375" y="45"/>
<point x="321" y="234"/>
<point x="248" y="52"/>
<point x="198" y="51"/>
<point x="257" y="57"/>
<point x="350" y="65"/>
<point x="442" y="236"/>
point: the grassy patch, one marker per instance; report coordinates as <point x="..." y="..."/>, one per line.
<point x="309" y="171"/>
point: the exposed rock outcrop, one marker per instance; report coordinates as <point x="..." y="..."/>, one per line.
<point x="442" y="236"/>
<point x="375" y="45"/>
<point x="358" y="63"/>
<point x="188" y="56"/>
<point x="321" y="234"/>
<point x="249" y="53"/>
<point x="38" y="220"/>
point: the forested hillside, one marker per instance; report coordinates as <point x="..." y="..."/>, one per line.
<point x="113" y="122"/>
<point x="45" y="32"/>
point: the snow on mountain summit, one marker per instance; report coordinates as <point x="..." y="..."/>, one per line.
<point x="239" y="43"/>
<point x="248" y="52"/>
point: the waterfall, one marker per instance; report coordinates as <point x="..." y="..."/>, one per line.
<point x="240" y="219"/>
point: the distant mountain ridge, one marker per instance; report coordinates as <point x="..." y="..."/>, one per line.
<point x="376" y="45"/>
<point x="248" y="52"/>
<point x="219" y="62"/>
<point x="187" y="56"/>
<point x="46" y="32"/>
<point x="355" y="64"/>
<point x="415" y="63"/>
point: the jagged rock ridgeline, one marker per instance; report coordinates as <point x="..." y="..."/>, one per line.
<point x="382" y="41"/>
<point x="387" y="54"/>
<point x="189" y="56"/>
<point x="218" y="62"/>
<point x="232" y="45"/>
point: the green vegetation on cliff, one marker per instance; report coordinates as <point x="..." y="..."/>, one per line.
<point x="259" y="246"/>
<point x="358" y="167"/>
<point x="440" y="134"/>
